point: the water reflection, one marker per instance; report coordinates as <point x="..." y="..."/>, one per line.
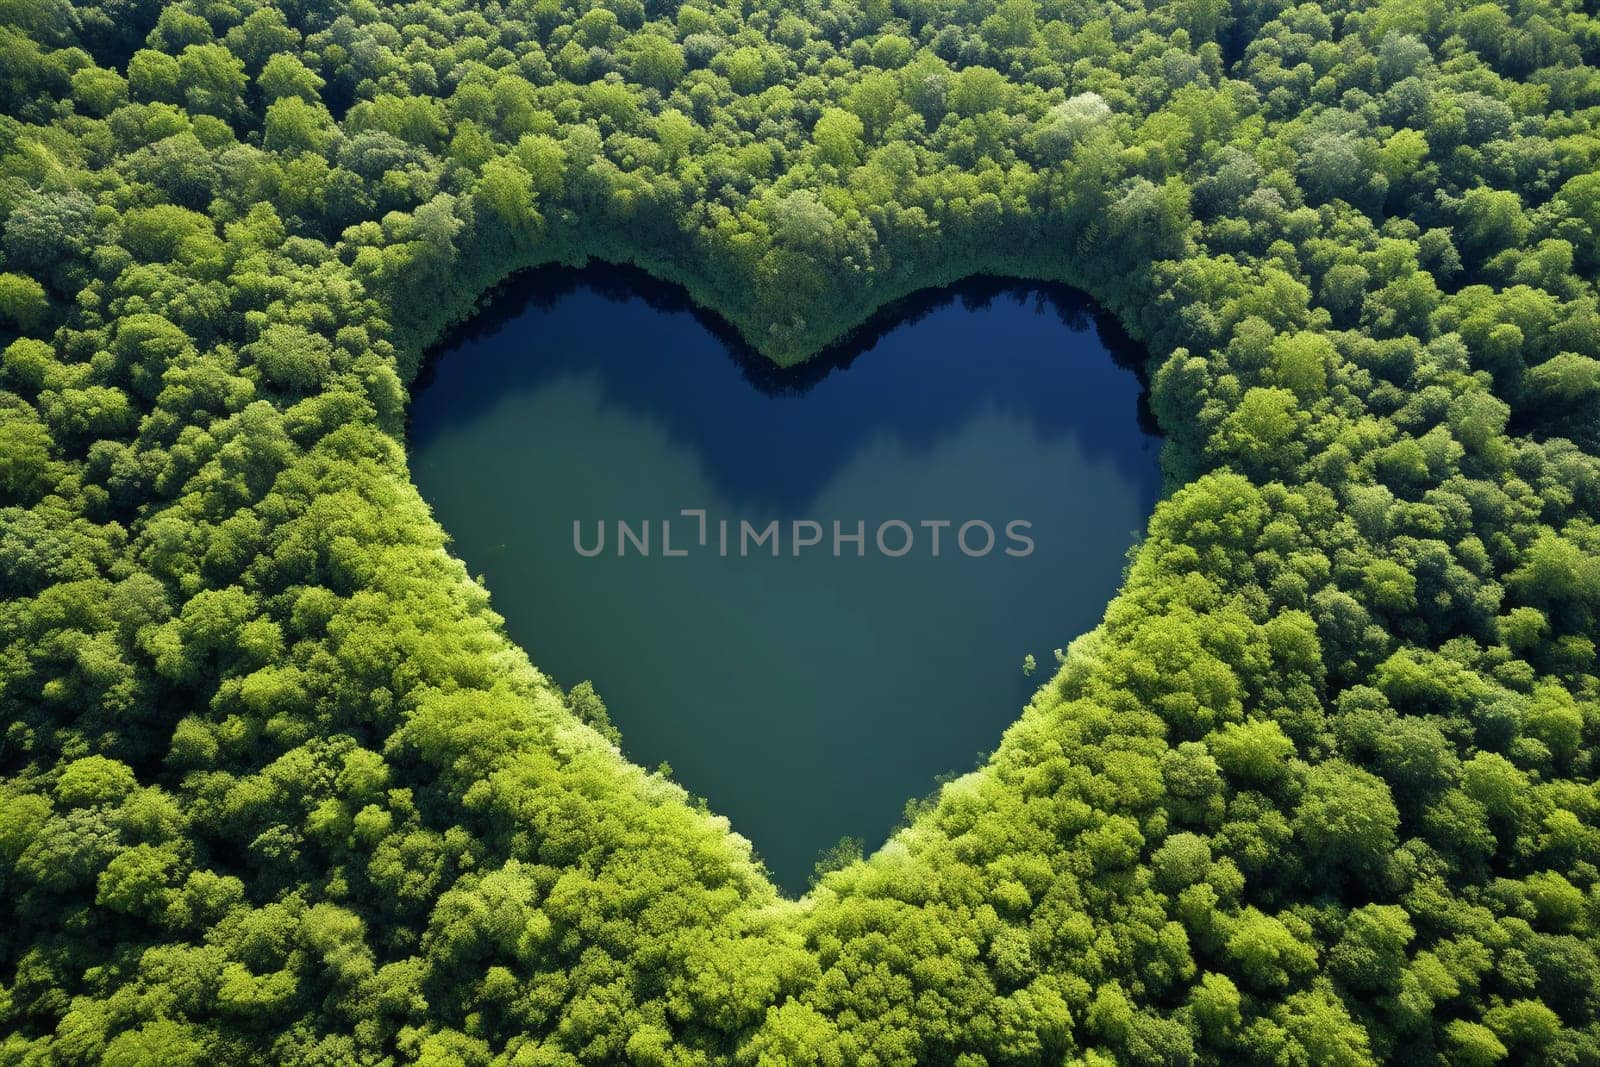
<point x="809" y="697"/>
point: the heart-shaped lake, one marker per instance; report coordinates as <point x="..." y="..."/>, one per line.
<point x="981" y="440"/>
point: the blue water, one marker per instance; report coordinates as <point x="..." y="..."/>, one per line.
<point x="806" y="697"/>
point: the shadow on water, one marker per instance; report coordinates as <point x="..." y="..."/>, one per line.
<point x="662" y="365"/>
<point x="544" y="287"/>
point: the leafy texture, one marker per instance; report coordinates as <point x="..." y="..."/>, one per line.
<point x="1320" y="790"/>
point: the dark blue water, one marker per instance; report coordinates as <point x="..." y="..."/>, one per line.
<point x="808" y="696"/>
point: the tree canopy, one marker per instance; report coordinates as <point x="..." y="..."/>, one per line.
<point x="274" y="786"/>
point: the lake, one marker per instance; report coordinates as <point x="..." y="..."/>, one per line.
<point x="621" y="471"/>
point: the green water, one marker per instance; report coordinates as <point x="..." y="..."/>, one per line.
<point x="808" y="696"/>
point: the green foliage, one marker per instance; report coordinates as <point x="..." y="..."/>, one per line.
<point x="1321" y="789"/>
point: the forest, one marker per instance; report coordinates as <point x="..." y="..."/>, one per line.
<point x="1321" y="789"/>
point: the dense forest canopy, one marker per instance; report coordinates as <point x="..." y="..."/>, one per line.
<point x="1321" y="789"/>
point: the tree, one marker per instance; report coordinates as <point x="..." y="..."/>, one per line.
<point x="1302" y="362"/>
<point x="1492" y="219"/>
<point x="212" y="79"/>
<point x="23" y="301"/>
<point x="1262" y="433"/>
<point x="1067" y="124"/>
<point x="292" y="125"/>
<point x="1347" y="820"/>
<point x="1370" y="956"/>
<point x="1254" y="753"/>
<point x="507" y="191"/>
<point x="94" y="780"/>
<point x="976" y="90"/>
<point x="98" y="90"/>
<point x="1267" y="951"/>
<point x="655" y="61"/>
<point x="161" y="1041"/>
<point x="838" y="137"/>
